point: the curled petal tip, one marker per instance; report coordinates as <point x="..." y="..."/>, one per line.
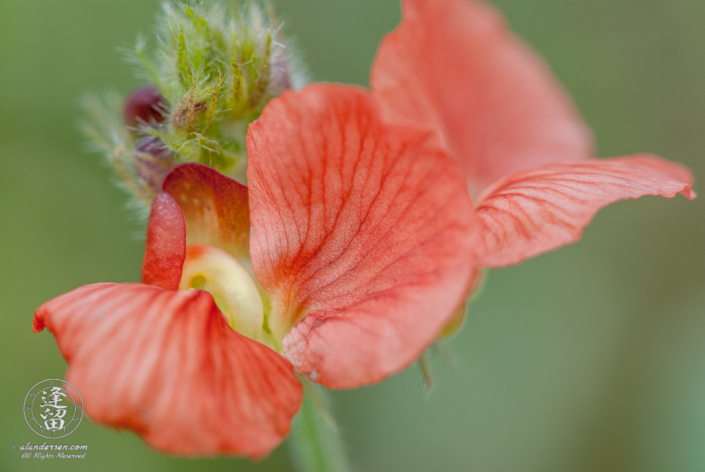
<point x="532" y="212"/>
<point x="38" y="322"/>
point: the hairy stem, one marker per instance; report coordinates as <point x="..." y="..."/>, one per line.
<point x="315" y="444"/>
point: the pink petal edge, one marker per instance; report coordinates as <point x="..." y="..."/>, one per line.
<point x="363" y="234"/>
<point x="455" y="66"/>
<point x="532" y="212"/>
<point x="167" y="366"/>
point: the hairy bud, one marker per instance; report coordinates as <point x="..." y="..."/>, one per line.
<point x="152" y="162"/>
<point x="144" y="106"/>
<point x="212" y="68"/>
<point x="217" y="65"/>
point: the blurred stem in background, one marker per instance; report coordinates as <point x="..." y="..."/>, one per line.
<point x="315" y="444"/>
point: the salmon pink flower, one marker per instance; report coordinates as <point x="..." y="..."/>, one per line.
<point x="345" y="257"/>
<point x="454" y="67"/>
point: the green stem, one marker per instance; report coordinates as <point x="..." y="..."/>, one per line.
<point x="315" y="444"/>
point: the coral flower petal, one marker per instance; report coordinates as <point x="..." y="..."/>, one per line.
<point x="167" y="366"/>
<point x="455" y="66"/>
<point x="215" y="207"/>
<point x="363" y="234"/>
<point x="165" y="249"/>
<point x="542" y="209"/>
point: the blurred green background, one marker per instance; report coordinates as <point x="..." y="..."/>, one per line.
<point x="591" y="358"/>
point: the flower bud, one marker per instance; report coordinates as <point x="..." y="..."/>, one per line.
<point x="217" y="64"/>
<point x="144" y="105"/>
<point x="152" y="161"/>
<point x="213" y="67"/>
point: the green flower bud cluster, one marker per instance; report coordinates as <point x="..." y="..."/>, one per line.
<point x="212" y="68"/>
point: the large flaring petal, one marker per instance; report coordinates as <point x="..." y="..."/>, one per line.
<point x="363" y="234"/>
<point x="167" y="366"/>
<point x="536" y="211"/>
<point x="215" y="207"/>
<point x="165" y="248"/>
<point x="454" y="65"/>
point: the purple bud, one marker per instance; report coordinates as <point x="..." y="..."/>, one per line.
<point x="154" y="146"/>
<point x="144" y="105"/>
<point x="152" y="161"/>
